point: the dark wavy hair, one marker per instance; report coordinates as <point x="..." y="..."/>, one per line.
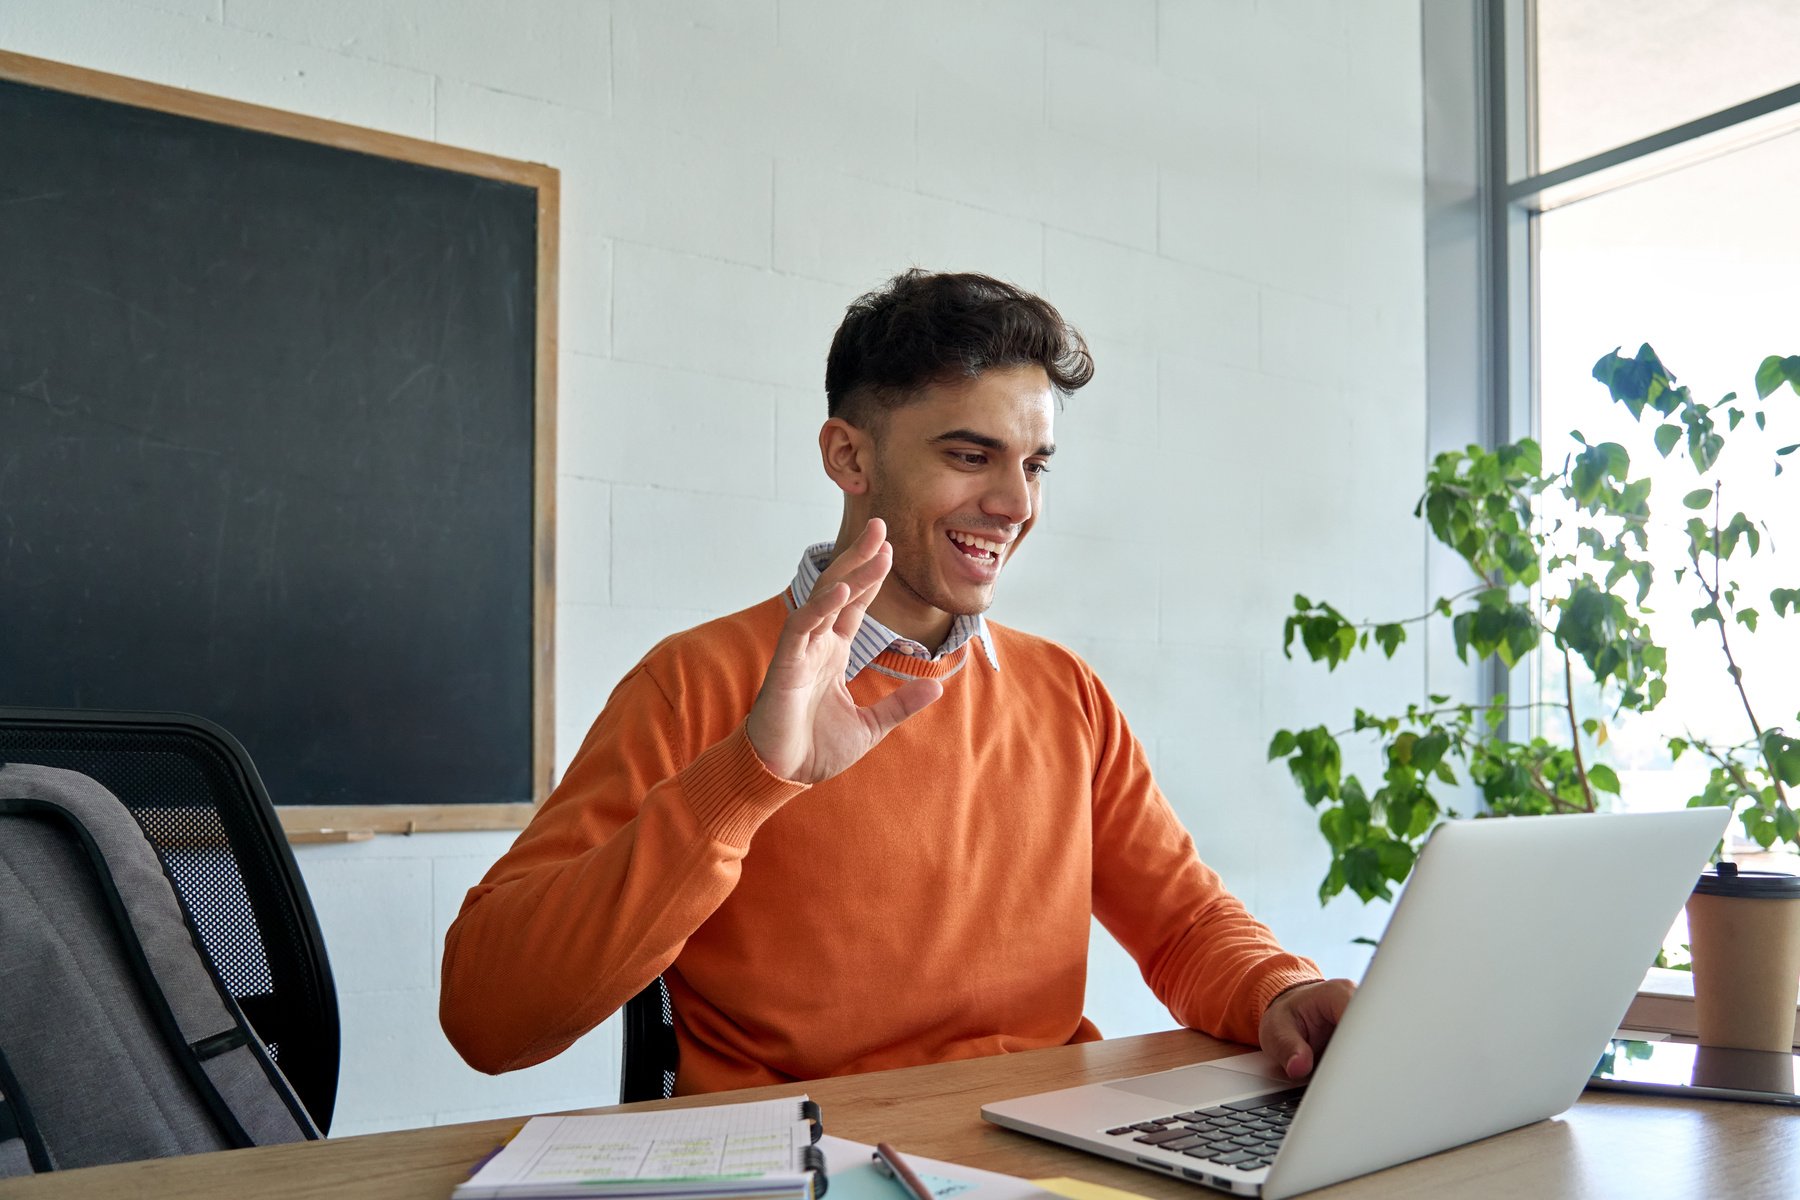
<point x="922" y="328"/>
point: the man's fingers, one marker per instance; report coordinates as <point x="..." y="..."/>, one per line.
<point x="851" y="563"/>
<point x="1320" y="1009"/>
<point x="849" y="619"/>
<point x="1300" y="1021"/>
<point x="864" y="584"/>
<point x="865" y="579"/>
<point x="898" y="705"/>
<point x="1299" y="1064"/>
<point x="1284" y="1042"/>
<point x="821" y="609"/>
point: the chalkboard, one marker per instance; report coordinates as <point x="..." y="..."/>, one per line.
<point x="273" y="436"/>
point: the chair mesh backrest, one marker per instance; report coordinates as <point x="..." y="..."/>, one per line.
<point x="200" y="806"/>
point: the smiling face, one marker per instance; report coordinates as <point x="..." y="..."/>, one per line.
<point x="956" y="474"/>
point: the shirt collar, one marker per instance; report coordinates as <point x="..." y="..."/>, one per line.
<point x="874" y="637"/>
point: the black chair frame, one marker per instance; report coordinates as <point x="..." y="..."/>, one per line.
<point x="650" y="1054"/>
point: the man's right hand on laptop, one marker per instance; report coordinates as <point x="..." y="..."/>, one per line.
<point x="1300" y="1021"/>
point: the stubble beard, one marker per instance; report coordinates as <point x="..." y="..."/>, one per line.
<point x="920" y="578"/>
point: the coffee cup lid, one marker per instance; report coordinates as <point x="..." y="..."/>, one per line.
<point x="1725" y="879"/>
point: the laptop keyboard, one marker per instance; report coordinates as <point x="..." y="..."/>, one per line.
<point x="1244" y="1134"/>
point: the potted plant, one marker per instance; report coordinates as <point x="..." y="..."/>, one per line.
<point x="1558" y="564"/>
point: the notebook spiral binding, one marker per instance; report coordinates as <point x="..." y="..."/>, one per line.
<point x="814" y="1158"/>
<point x="812" y="1155"/>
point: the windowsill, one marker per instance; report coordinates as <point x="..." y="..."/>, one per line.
<point x="1665" y="1004"/>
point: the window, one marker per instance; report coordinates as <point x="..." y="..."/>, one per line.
<point x="1609" y="72"/>
<point x="1660" y="178"/>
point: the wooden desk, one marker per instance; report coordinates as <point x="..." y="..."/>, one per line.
<point x="1607" y="1145"/>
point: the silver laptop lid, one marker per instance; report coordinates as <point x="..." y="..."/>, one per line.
<point x="1507" y="964"/>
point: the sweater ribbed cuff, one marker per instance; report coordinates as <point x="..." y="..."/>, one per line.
<point x="731" y="792"/>
<point x="1279" y="980"/>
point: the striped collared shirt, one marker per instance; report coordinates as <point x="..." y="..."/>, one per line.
<point x="874" y="637"/>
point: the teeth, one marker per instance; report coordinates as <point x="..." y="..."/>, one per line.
<point x="969" y="539"/>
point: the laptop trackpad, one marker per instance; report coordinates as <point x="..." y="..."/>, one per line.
<point x="1206" y="1083"/>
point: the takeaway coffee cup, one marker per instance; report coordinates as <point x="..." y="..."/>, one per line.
<point x="1744" y="932"/>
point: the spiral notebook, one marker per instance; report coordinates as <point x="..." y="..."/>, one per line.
<point x="763" y="1150"/>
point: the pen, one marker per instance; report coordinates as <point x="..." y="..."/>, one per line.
<point x="889" y="1163"/>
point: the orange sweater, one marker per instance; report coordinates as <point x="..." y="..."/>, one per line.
<point x="930" y="903"/>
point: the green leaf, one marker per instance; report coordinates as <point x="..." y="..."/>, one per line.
<point x="1395" y="859"/>
<point x="1603" y="778"/>
<point x="1429" y="751"/>
<point x="1784" y="600"/>
<point x="1331" y="825"/>
<point x="1281" y="745"/>
<point x="1738" y="527"/>
<point x="1769" y="376"/>
<point x="1762" y="422"/>
<point x="1463" y="628"/>
<point x="1747" y="617"/>
<point x="1775" y="371"/>
<point x="1523" y="458"/>
<point x="1783" y="755"/>
<point x="1760" y="826"/>
<point x="1633" y="382"/>
<point x="1389" y="637"/>
<point x="1698" y="498"/>
<point x="1666" y="437"/>
<point x="1704" y="448"/>
<point x="1326" y="635"/>
<point x="1317" y="766"/>
<point x="1787" y="824"/>
<point x="1594" y="466"/>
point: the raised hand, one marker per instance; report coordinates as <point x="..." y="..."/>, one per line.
<point x="804" y="725"/>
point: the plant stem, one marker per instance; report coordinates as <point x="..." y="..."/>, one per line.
<point x="1731" y="666"/>
<point x="1556" y="801"/>
<point x="1732" y="768"/>
<point x="1424" y="616"/>
<point x="1575" y="728"/>
<point x="1711" y="750"/>
<point x="1435" y="712"/>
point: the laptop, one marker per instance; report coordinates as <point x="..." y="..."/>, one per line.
<point x="1506" y="966"/>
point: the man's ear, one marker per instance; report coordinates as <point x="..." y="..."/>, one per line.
<point x="848" y="454"/>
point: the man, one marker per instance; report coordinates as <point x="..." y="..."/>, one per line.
<point x="858" y="826"/>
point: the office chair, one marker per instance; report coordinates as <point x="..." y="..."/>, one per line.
<point x="202" y="806"/>
<point x="647" y="1066"/>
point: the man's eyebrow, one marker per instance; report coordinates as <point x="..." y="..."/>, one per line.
<point x="988" y="441"/>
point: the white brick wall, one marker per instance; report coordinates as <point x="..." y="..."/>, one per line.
<point x="1224" y="194"/>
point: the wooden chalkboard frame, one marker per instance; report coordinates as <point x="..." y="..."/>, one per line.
<point x="355" y="822"/>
